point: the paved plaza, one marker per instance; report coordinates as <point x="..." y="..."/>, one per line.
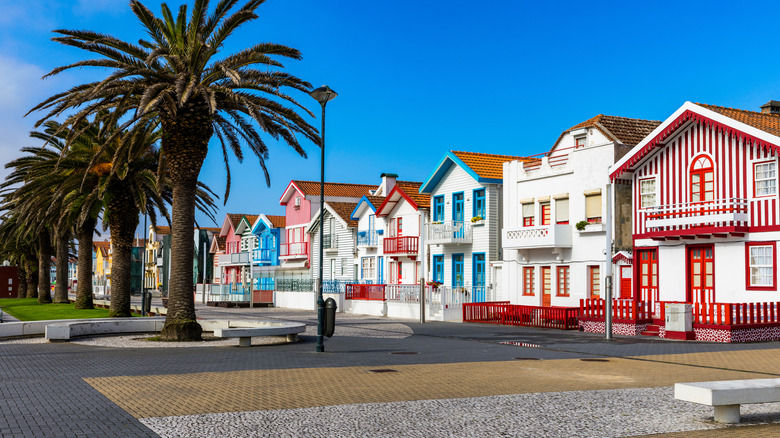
<point x="378" y="377"/>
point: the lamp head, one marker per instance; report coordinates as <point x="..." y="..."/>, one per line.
<point x="323" y="94"/>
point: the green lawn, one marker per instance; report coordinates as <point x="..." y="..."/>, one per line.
<point x="28" y="309"/>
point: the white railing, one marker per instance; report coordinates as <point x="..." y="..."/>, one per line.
<point x="448" y="232"/>
<point x="544" y="236"/>
<point x="233" y="292"/>
<point x="239" y="258"/>
<point x="697" y="213"/>
<point x="367" y="238"/>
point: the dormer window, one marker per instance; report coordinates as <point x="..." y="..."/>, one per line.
<point x="579" y="142"/>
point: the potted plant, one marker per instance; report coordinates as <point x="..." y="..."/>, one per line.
<point x="477" y="219"/>
<point x="581" y="225"/>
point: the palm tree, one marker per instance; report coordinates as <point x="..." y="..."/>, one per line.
<point x="17" y="245"/>
<point x="175" y="77"/>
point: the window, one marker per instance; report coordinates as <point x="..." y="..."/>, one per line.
<point x="479" y="203"/>
<point x="438" y="208"/>
<point x="563" y="281"/>
<point x="344" y="266"/>
<point x="761" y="265"/>
<point x="593" y="208"/>
<point x="438" y="268"/>
<point x="457" y="207"/>
<point x="528" y="215"/>
<point x="702" y="180"/>
<point x="367" y="268"/>
<point x="457" y="270"/>
<point x="647" y="193"/>
<point x="765" y="179"/>
<point x="400" y="225"/>
<point x="545" y="213"/>
<point x="562" y="211"/>
<point x="528" y="281"/>
<point x="579" y="142"/>
<point x="593" y="282"/>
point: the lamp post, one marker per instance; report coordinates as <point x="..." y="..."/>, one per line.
<point x="322" y="95"/>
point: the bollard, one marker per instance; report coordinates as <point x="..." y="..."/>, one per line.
<point x="330" y="317"/>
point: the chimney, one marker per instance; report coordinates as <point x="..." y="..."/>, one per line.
<point x="771" y="107"/>
<point x="388" y="182"/>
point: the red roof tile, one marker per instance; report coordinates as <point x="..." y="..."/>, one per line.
<point x="621" y="129"/>
<point x="277" y="221"/>
<point x="764" y="121"/>
<point x="335" y="189"/>
<point x="487" y="165"/>
<point x="344" y="210"/>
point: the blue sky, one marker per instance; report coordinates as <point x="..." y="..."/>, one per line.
<point x="418" y="78"/>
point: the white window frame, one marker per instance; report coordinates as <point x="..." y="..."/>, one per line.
<point x="654" y="193"/>
<point x="768" y="269"/>
<point x="756" y="180"/>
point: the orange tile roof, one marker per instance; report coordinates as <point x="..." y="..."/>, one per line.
<point x="251" y="218"/>
<point x="621" y="129"/>
<point x="412" y="190"/>
<point x="766" y="122"/>
<point x="335" y="189"/>
<point x="344" y="210"/>
<point x="221" y="242"/>
<point x="102" y="246"/>
<point x="235" y="218"/>
<point x="487" y="165"/>
<point x="277" y="221"/>
<point x="162" y="230"/>
<point x="376" y="201"/>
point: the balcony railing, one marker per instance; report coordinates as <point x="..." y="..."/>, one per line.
<point x="697" y="213"/>
<point x="545" y="236"/>
<point x="239" y="258"/>
<point x="367" y="238"/>
<point x="401" y="245"/>
<point x="448" y="232"/>
<point x="263" y="255"/>
<point x="294" y="250"/>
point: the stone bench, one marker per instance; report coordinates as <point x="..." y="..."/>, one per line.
<point x="727" y="395"/>
<point x="260" y="328"/>
<point x="64" y="331"/>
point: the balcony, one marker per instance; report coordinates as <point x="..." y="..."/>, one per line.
<point x="447" y="232"/>
<point x="545" y="236"/>
<point x="263" y="255"/>
<point x="294" y="250"/>
<point x="405" y="245"/>
<point x="723" y="211"/>
<point x="330" y="242"/>
<point x="239" y="258"/>
<point x="367" y="238"/>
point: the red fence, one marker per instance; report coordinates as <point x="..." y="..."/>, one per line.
<point x="621" y="309"/>
<point x="736" y="313"/>
<point x="501" y="312"/>
<point x="401" y="245"/>
<point x="370" y="292"/>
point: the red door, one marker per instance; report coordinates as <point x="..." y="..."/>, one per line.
<point x="648" y="275"/>
<point x="546" y="286"/>
<point x="625" y="282"/>
<point x="701" y="269"/>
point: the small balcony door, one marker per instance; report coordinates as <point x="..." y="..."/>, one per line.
<point x="625" y="282"/>
<point x="546" y="286"/>
<point x="380" y="262"/>
<point x="478" y="278"/>
<point x="457" y="270"/>
<point x="701" y="270"/>
<point x="457" y="212"/>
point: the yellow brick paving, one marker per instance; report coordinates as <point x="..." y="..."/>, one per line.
<point x="201" y="393"/>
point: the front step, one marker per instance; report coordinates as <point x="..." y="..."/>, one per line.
<point x="652" y="330"/>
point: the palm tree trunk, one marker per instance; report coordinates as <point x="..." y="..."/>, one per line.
<point x="21" y="292"/>
<point x="185" y="145"/>
<point x="122" y="219"/>
<point x="84" y="235"/>
<point x="61" y="288"/>
<point x="31" y="272"/>
<point x="44" y="267"/>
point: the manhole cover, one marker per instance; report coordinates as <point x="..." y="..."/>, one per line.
<point x="385" y="370"/>
<point x="404" y="352"/>
<point x="595" y="360"/>
<point x="528" y="358"/>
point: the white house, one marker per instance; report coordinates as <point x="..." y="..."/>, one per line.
<point x="554" y="235"/>
<point x="405" y="212"/>
<point x="465" y="225"/>
<point x="370" y="233"/>
<point x="339" y="246"/>
<point x="705" y="220"/>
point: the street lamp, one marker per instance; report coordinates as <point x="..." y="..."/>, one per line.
<point x="322" y="95"/>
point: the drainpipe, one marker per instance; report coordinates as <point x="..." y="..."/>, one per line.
<point x="608" y="273"/>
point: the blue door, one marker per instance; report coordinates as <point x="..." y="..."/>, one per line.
<point x="478" y="278"/>
<point x="457" y="214"/>
<point x="457" y="270"/>
<point x="380" y="279"/>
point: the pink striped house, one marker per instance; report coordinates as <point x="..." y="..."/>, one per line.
<point x="705" y="221"/>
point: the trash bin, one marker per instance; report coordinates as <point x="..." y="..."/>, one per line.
<point x="146" y="302"/>
<point x="330" y="316"/>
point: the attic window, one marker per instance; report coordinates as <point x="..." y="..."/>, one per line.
<point x="297" y="203"/>
<point x="579" y="142"/>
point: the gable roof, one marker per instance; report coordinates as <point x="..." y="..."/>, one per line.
<point x="371" y="202"/>
<point x="312" y="188"/>
<point x="340" y="210"/>
<point x="758" y="128"/>
<point x="217" y="244"/>
<point x="232" y="220"/>
<point x="409" y="191"/>
<point x="269" y="221"/>
<point x="277" y="221"/>
<point x="246" y="222"/>
<point x="484" y="168"/>
<point x="620" y="129"/>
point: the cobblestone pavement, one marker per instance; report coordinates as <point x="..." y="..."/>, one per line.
<point x="72" y="389"/>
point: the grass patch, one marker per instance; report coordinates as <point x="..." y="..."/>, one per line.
<point x="29" y="309"/>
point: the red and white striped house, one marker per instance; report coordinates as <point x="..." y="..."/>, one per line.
<point x="705" y="220"/>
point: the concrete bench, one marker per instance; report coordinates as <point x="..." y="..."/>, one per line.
<point x="727" y="395"/>
<point x="245" y="334"/>
<point x="65" y="330"/>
